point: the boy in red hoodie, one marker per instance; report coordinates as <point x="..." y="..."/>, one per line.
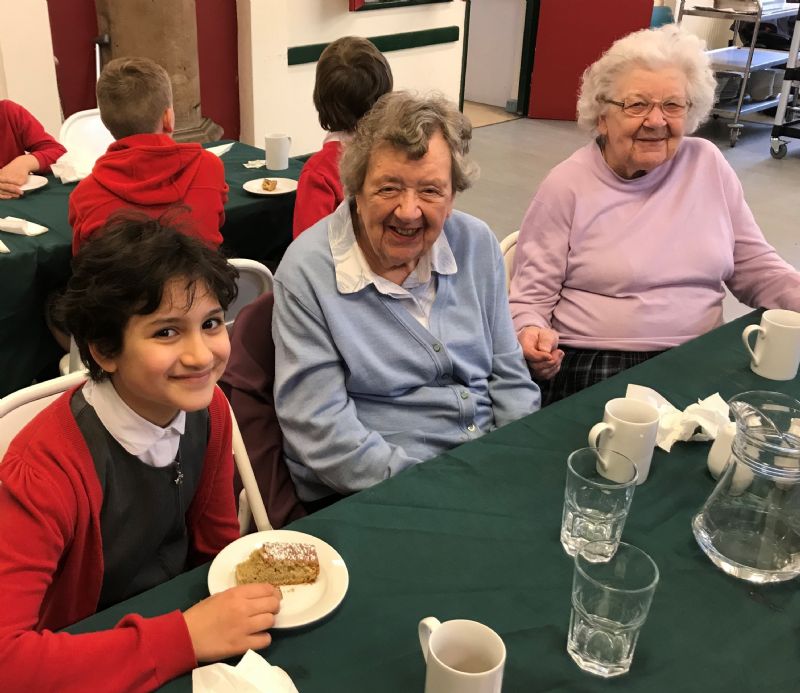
<point x="145" y="168"/>
<point x="127" y="480"/>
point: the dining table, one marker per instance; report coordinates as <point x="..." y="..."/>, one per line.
<point x="474" y="534"/>
<point x="257" y="226"/>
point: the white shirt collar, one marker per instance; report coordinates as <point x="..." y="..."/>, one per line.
<point x="353" y="272"/>
<point x="342" y="136"/>
<point x="152" y="444"/>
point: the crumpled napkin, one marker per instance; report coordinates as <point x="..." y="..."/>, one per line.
<point x="71" y="167"/>
<point x="220" y="149"/>
<point x="4" y="248"/>
<point x="253" y="674"/>
<point x="256" y="163"/>
<point x="708" y="415"/>
<point x="22" y="227"/>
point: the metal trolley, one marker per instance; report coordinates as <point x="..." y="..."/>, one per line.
<point x="789" y="94"/>
<point x="742" y="60"/>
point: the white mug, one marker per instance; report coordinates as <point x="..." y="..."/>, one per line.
<point x="276" y="151"/>
<point x="629" y="427"/>
<point x="461" y="656"/>
<point x="777" y="350"/>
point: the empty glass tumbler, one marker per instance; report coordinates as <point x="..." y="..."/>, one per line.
<point x="611" y="598"/>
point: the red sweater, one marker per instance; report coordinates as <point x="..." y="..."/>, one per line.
<point x="20" y="132"/>
<point x="151" y="173"/>
<point x="319" y="190"/>
<point x="51" y="563"/>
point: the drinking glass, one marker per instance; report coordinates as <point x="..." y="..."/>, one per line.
<point x="596" y="506"/>
<point x="611" y="597"/>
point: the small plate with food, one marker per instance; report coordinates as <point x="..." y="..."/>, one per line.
<point x="270" y="186"/>
<point x="310" y="573"/>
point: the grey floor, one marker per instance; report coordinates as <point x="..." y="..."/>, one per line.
<point x="516" y="156"/>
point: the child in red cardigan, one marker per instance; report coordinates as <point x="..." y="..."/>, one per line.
<point x="145" y="169"/>
<point x="128" y="480"/>
<point x="351" y="75"/>
<point x="25" y="148"/>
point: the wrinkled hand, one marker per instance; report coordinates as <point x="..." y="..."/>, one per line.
<point x="233" y="621"/>
<point x="540" y="348"/>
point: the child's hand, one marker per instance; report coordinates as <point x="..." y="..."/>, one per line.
<point x="9" y="191"/>
<point x="233" y="621"/>
<point x="15" y="173"/>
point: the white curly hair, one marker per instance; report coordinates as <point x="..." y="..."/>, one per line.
<point x="652" y="49"/>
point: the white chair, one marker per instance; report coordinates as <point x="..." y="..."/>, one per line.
<point x="508" y="246"/>
<point x="254" y="279"/>
<point x="18" y="408"/>
<point x="250" y="501"/>
<point x="71" y="362"/>
<point x="85" y="138"/>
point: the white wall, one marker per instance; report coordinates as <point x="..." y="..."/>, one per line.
<point x="276" y="97"/>
<point x="27" y="69"/>
<point x="494" y="51"/>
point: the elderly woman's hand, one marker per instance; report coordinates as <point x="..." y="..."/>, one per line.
<point x="540" y="348"/>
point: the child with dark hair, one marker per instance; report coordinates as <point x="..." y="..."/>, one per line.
<point x="351" y="75"/>
<point x="25" y="148"/>
<point x="145" y="169"/>
<point x="127" y="481"/>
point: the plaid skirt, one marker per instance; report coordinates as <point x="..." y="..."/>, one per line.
<point x="584" y="367"/>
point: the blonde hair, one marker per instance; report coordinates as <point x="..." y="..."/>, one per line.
<point x="652" y="49"/>
<point x="132" y="95"/>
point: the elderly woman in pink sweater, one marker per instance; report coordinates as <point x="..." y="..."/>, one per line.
<point x="628" y="244"/>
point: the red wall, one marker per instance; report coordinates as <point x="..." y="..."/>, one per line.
<point x="73" y="24"/>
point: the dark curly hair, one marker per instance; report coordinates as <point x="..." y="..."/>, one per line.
<point x="122" y="271"/>
<point x="351" y="75"/>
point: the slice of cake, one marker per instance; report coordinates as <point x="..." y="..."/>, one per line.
<point x="280" y="563"/>
<point x="269" y="184"/>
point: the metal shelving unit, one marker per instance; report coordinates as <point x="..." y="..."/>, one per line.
<point x="788" y="127"/>
<point x="742" y="60"/>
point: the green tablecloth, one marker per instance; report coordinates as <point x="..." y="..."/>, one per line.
<point x="474" y="534"/>
<point x="256" y="227"/>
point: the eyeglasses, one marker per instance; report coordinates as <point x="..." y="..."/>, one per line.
<point x="639" y="108"/>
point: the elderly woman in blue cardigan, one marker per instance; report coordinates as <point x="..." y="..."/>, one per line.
<point x="393" y="337"/>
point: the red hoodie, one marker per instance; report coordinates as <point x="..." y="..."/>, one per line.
<point x="151" y="173"/>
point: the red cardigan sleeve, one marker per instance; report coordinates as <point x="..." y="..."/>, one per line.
<point x="317" y="197"/>
<point x="38" y="515"/>
<point x="31" y="136"/>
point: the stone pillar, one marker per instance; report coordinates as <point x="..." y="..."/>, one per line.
<point x="164" y="31"/>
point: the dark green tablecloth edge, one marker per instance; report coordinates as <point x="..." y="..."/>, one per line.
<point x="474" y="534"/>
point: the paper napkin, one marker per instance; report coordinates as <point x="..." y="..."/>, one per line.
<point x="71" y="167"/>
<point x="4" y="248"/>
<point x="700" y="421"/>
<point x="256" y="163"/>
<point x="253" y="674"/>
<point x="220" y="149"/>
<point x="22" y="227"/>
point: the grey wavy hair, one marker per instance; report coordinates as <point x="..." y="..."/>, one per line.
<point x="652" y="49"/>
<point x="407" y="121"/>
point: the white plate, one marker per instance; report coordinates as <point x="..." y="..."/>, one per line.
<point x="284" y="185"/>
<point x="33" y="183"/>
<point x="301" y="604"/>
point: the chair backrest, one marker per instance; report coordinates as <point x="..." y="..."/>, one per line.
<point x="248" y="383"/>
<point x="508" y="247"/>
<point x="251" y="504"/>
<point x="18" y="408"/>
<point x="254" y="280"/>
<point x="85" y="137"/>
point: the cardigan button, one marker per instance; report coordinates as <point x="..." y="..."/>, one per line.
<point x="437" y="348"/>
<point x="464" y="394"/>
<point x="471" y="428"/>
